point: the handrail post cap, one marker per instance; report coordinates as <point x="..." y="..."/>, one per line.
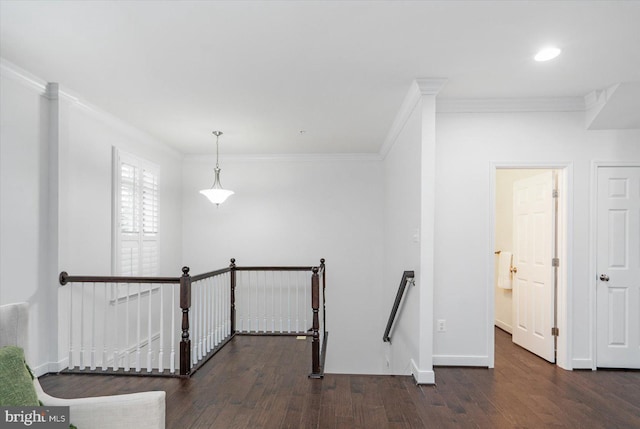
<point x="185" y="271"/>
<point x="62" y="278"/>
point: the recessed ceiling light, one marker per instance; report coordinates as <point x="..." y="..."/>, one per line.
<point x="547" y="54"/>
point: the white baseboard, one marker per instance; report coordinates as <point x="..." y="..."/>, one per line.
<point x="582" y="363"/>
<point x="504" y="326"/>
<point x="50" y="367"/>
<point x="422" y="377"/>
<point x="444" y="360"/>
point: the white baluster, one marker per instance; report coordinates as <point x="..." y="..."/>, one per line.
<point x="71" y="361"/>
<point x="92" y="362"/>
<point x="104" y="328"/>
<point x="280" y="298"/>
<point x="149" y="339"/>
<point x="161" y="349"/>
<point x="245" y="291"/>
<point x="193" y="325"/>
<point x="173" y="337"/>
<point x="289" y="301"/>
<point x="201" y="317"/>
<point x="115" y="288"/>
<point x="213" y="316"/>
<point x="127" y="342"/>
<point x="139" y="328"/>
<point x="82" y="357"/>
<point x="264" y="301"/>
<point x="217" y="310"/>
<point x="257" y="311"/>
<point x="273" y="301"/>
<point x="306" y="305"/>
<point x="297" y="276"/>
<point x="227" y="288"/>
<point x="210" y="312"/>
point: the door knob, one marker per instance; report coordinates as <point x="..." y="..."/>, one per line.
<point x="513" y="269"/>
<point x="604" y="277"/>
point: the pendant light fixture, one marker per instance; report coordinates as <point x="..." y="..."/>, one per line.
<point x="216" y="194"/>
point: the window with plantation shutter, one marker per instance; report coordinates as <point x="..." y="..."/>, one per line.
<point x="136" y="212"/>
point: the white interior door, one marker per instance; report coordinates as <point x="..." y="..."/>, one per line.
<point x="533" y="251"/>
<point x="618" y="264"/>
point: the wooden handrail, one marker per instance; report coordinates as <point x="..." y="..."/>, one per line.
<point x="406" y="276"/>
<point x="65" y="278"/>
<point x="309" y="268"/>
<point x="210" y="274"/>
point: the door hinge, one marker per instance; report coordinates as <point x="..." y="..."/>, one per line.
<point x="555" y="332"/>
<point x="554" y="193"/>
<point x="555" y="262"/>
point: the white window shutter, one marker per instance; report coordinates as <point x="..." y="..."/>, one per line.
<point x="137" y="212"/>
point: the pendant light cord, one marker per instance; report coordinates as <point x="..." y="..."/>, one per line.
<point x="217" y="134"/>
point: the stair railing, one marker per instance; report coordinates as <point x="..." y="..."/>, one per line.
<point x="407" y="277"/>
<point x="134" y="325"/>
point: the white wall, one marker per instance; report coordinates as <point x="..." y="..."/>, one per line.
<point x="294" y="211"/>
<point x="87" y="138"/>
<point x="401" y="241"/>
<point x="467" y="145"/>
<point x="70" y="224"/>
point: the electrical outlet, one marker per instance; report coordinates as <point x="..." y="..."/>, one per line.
<point x="441" y="325"/>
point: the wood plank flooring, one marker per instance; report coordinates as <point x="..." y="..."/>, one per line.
<point x="261" y="382"/>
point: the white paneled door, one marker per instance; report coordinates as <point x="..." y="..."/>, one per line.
<point x="618" y="264"/>
<point x="533" y="277"/>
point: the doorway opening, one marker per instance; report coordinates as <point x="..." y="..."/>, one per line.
<point x="529" y="275"/>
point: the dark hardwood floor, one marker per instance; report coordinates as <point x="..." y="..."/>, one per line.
<point x="261" y="382"/>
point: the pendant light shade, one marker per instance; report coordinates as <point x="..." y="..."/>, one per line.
<point x="216" y="194"/>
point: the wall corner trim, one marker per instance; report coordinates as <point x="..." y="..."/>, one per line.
<point x="431" y="86"/>
<point x="422" y="376"/>
<point x="418" y="88"/>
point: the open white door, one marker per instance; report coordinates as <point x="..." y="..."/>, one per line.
<point x="533" y="253"/>
<point x="618" y="264"/>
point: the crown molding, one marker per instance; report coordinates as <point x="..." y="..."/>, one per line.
<point x="54" y="91"/>
<point x="490" y="105"/>
<point x="12" y="71"/>
<point x="286" y="157"/>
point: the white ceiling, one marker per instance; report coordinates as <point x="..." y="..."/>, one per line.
<point x="263" y="71"/>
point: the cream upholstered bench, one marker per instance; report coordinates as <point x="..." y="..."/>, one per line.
<point x="145" y="410"/>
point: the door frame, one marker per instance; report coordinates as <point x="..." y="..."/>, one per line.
<point x="565" y="253"/>
<point x="593" y="252"/>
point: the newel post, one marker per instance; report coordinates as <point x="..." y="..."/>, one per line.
<point x="185" y="304"/>
<point x="315" y="305"/>
<point x="232" y="266"/>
